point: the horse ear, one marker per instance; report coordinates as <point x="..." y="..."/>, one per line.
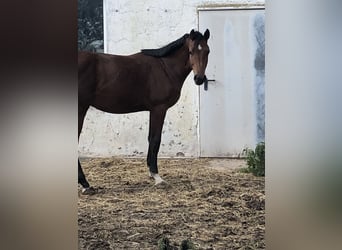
<point x="192" y="34"/>
<point x="206" y="34"/>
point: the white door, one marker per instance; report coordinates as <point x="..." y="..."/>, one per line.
<point x="232" y="109"/>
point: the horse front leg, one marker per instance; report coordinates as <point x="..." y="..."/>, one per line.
<point x="157" y="117"/>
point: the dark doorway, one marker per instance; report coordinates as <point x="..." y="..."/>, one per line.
<point x="90" y="25"/>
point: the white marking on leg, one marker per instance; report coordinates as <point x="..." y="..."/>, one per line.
<point x="89" y="190"/>
<point x="157" y="178"/>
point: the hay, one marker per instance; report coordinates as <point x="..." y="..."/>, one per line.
<point x="215" y="209"/>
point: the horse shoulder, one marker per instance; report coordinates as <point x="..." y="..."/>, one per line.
<point x="161" y="88"/>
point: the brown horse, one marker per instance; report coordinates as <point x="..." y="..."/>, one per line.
<point x="147" y="81"/>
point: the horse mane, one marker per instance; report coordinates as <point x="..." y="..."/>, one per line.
<point x="167" y="49"/>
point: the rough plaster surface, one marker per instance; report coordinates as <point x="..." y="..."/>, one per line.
<point x="128" y="27"/>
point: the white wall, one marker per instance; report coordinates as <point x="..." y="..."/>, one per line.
<point x="128" y="27"/>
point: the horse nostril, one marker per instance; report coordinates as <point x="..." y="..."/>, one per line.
<point x="198" y="79"/>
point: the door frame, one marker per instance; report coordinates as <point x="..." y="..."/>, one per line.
<point x="209" y="7"/>
<point x="233" y="6"/>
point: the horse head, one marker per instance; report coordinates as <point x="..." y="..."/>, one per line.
<point x="198" y="54"/>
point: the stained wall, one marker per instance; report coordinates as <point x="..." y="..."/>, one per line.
<point x="128" y="27"/>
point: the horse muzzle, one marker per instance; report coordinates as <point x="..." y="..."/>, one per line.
<point x="199" y="80"/>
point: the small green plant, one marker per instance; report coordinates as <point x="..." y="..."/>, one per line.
<point x="256" y="160"/>
<point x="187" y="245"/>
<point x="164" y="244"/>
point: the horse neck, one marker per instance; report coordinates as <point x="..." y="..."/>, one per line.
<point x="177" y="65"/>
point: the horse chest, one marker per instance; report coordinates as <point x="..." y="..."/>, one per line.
<point x="174" y="98"/>
<point x="164" y="94"/>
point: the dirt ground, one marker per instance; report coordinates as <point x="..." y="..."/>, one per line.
<point x="207" y="201"/>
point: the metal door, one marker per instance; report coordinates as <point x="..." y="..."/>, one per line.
<point x="232" y="115"/>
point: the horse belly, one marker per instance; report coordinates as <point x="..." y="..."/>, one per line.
<point x="118" y="104"/>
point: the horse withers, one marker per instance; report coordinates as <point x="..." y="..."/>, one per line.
<point x="147" y="81"/>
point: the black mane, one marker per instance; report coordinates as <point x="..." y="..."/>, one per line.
<point x="166" y="50"/>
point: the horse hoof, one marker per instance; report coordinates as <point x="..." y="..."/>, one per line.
<point x="161" y="183"/>
<point x="88" y="191"/>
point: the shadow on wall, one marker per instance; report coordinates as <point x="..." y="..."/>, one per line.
<point x="259" y="65"/>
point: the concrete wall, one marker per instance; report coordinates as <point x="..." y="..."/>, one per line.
<point x="128" y="27"/>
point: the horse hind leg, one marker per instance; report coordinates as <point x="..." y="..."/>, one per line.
<point x="86" y="188"/>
